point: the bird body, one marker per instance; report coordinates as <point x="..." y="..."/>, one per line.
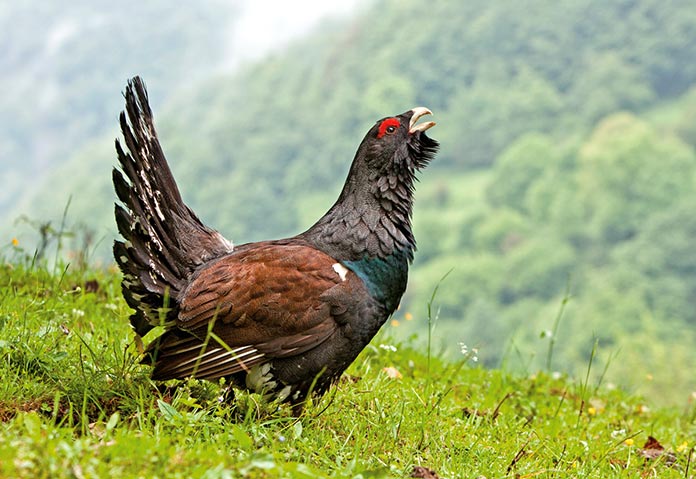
<point x="282" y="317"/>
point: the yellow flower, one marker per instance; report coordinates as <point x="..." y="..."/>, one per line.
<point x="629" y="441"/>
<point x="15" y="242"/>
<point x="408" y="316"/>
<point x="395" y="322"/>
<point x="683" y="446"/>
<point x="649" y="377"/>
<point x="642" y="409"/>
<point x="591" y="411"/>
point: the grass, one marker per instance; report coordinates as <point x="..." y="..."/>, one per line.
<point x="74" y="402"/>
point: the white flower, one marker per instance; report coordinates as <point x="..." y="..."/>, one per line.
<point x="78" y="312"/>
<point x="388" y="347"/>
<point x="470" y="354"/>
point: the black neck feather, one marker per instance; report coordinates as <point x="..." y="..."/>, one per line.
<point x="370" y="219"/>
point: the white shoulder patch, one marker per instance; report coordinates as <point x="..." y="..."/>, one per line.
<point x="225" y="241"/>
<point x="341" y="270"/>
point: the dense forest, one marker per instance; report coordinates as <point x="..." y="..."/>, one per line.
<point x="566" y="172"/>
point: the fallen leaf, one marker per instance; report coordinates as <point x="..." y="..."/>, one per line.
<point x="424" y="473"/>
<point x="348" y="378"/>
<point x="468" y="412"/>
<point x="91" y="286"/>
<point x="654" y="450"/>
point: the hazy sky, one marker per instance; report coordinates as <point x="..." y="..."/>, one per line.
<point x="264" y="25"/>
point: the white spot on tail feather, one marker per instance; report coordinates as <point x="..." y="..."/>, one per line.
<point x="154" y="270"/>
<point x="158" y="194"/>
<point x="341" y="270"/>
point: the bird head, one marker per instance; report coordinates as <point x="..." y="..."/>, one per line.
<point x="372" y="216"/>
<point x="399" y="142"/>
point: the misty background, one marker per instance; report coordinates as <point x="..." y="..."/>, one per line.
<point x="566" y="174"/>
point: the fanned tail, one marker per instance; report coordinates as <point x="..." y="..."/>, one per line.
<point x="164" y="241"/>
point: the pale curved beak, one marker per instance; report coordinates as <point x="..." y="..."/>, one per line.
<point x="418" y="112"/>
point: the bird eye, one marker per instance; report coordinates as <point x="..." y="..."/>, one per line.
<point x="388" y="127"/>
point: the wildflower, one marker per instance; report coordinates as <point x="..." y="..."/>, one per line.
<point x="408" y="316"/>
<point x="395" y="322"/>
<point x="388" y="347"/>
<point x="591" y="411"/>
<point x="78" y="312"/>
<point x="15" y="242"/>
<point x="392" y="372"/>
<point x="618" y="433"/>
<point x="111" y="306"/>
<point x="683" y="446"/>
<point x="629" y="441"/>
<point x="473" y="354"/>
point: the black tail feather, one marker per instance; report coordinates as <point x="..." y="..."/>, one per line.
<point x="164" y="240"/>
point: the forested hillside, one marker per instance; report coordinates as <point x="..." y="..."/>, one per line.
<point x="567" y="168"/>
<point x="62" y="67"/>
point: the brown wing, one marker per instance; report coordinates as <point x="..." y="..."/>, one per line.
<point x="261" y="302"/>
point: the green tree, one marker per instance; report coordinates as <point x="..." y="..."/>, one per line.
<point x="610" y="83"/>
<point x="518" y="168"/>
<point x="503" y="108"/>
<point x="664" y="255"/>
<point x="626" y="171"/>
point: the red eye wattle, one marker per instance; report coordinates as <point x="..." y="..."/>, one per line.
<point x="388" y="126"/>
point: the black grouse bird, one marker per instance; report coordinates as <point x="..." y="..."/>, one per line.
<point x="279" y="317"/>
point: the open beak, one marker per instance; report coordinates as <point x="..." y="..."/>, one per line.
<point x="418" y="112"/>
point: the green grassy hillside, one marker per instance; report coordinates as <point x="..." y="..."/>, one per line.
<point x="567" y="167"/>
<point x="74" y="403"/>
